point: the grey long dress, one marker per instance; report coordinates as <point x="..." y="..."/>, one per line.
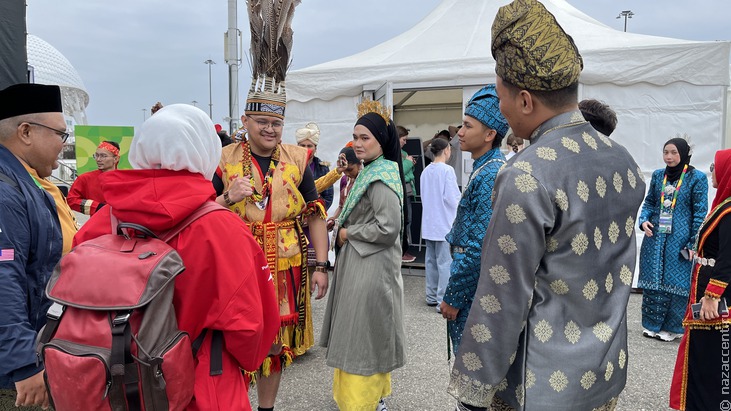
<point x="363" y="326"/>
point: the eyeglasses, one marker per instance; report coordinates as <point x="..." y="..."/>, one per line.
<point x="263" y="124"/>
<point x="713" y="167"/>
<point x="63" y="134"/>
<point x="101" y="156"/>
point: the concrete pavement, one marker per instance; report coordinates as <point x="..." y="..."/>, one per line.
<point x="421" y="384"/>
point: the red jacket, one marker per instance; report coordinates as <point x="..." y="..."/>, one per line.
<point x="85" y="194"/>
<point x="226" y="285"/>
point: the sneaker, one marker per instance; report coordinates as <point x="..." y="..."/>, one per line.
<point x="381" y="406"/>
<point x="431" y="303"/>
<point x="408" y="258"/>
<point x="668" y="336"/>
<point x="649" y="334"/>
<point x="439" y="309"/>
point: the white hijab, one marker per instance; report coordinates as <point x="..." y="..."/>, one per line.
<point x="178" y="137"/>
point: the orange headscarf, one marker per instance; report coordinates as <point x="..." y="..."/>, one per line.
<point x="110" y="148"/>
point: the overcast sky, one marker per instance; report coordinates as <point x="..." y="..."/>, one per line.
<point x="133" y="53"/>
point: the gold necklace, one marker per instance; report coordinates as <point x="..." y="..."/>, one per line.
<point x="247" y="163"/>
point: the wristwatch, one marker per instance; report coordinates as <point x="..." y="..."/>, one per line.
<point x="322" y="266"/>
<point x="227" y="199"/>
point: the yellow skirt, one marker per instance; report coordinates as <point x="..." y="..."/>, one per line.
<point x="354" y="392"/>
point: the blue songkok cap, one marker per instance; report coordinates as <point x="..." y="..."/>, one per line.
<point x="485" y="107"/>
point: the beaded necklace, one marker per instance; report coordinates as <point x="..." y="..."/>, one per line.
<point x="266" y="185"/>
<point x="665" y="187"/>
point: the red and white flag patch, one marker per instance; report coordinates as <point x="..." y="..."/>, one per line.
<point x="7" y="254"/>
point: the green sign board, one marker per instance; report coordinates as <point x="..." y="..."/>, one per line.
<point x="88" y="139"/>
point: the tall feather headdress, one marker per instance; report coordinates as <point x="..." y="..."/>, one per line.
<point x="270" y="22"/>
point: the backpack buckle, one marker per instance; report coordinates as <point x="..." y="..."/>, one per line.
<point x="56" y="311"/>
<point x="121" y="318"/>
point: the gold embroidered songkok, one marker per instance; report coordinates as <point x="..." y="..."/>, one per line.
<point x="531" y="50"/>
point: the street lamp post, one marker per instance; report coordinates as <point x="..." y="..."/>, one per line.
<point x="210" y="92"/>
<point x="144" y="114"/>
<point x="627" y="14"/>
<point x="195" y="103"/>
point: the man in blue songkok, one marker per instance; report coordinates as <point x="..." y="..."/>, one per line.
<point x="482" y="131"/>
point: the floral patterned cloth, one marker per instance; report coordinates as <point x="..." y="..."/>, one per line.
<point x="547" y="329"/>
<point x="469" y="228"/>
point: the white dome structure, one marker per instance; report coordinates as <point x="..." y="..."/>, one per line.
<point x="52" y="68"/>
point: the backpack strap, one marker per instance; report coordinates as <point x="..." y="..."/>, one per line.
<point x="204" y="209"/>
<point x="216" y="350"/>
<point x="125" y="378"/>
<point x="216" y="362"/>
<point x="196" y="345"/>
<point x="53" y="317"/>
<point x="216" y="353"/>
<point x="7" y="180"/>
<point x="168" y="235"/>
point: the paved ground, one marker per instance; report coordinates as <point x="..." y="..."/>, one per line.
<point x="421" y="384"/>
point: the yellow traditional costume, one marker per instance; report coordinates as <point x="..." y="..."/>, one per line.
<point x="280" y="235"/>
<point x="278" y="206"/>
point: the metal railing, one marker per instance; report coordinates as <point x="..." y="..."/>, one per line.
<point x="66" y="174"/>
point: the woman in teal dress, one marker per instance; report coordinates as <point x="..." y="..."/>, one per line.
<point x="675" y="206"/>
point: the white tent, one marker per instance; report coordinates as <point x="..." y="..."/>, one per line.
<point x="659" y="87"/>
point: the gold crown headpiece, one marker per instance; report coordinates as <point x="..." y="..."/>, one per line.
<point x="373" y="106"/>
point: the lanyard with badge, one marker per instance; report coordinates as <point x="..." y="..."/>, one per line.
<point x="666" y="205"/>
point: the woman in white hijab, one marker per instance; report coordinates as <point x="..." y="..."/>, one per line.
<point x="175" y="154"/>
<point x="177" y="137"/>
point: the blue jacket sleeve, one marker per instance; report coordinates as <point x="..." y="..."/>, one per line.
<point x="17" y="335"/>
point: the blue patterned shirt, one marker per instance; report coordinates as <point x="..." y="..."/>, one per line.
<point x="469" y="228"/>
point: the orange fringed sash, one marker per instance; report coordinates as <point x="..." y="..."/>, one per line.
<point x="316" y="208"/>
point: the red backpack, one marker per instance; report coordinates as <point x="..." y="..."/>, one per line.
<point x="112" y="340"/>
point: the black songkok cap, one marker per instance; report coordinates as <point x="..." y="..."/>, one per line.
<point x="24" y="98"/>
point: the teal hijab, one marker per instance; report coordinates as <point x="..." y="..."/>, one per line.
<point x="380" y="169"/>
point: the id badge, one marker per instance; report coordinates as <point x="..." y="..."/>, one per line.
<point x="666" y="223"/>
<point x="262" y="205"/>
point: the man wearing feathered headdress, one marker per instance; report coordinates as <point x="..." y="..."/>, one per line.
<point x="548" y="327"/>
<point x="269" y="185"/>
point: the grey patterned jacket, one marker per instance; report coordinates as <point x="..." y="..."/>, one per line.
<point x="547" y="329"/>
